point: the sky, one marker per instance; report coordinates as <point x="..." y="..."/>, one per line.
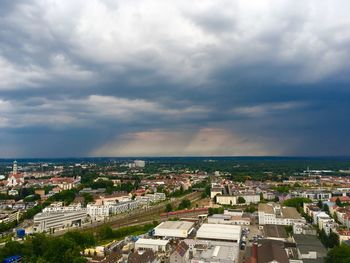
<point x="174" y="78"/>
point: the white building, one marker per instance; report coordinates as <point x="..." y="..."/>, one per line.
<point x="151" y="198"/>
<point x="58" y="207"/>
<point x="275" y="214"/>
<point x="228" y="220"/>
<point x="216" y="189"/>
<point x="233" y="199"/>
<point x="233" y="212"/>
<point x="15" y="178"/>
<point x="157" y="245"/>
<point x="220" y="232"/>
<point x="46" y="222"/>
<point x="98" y="211"/>
<point x="209" y="251"/>
<point x="319" y="215"/>
<point x="137" y="164"/>
<point x="179" y="229"/>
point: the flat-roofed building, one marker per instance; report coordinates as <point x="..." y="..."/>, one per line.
<point x="205" y="251"/>
<point x="223" y="252"/>
<point x="276" y="232"/>
<point x="179" y="229"/>
<point x="271" y="251"/>
<point x="228" y="219"/>
<point x="310" y="248"/>
<point x="157" y="245"/>
<point x="220" y="232"/>
<point x="180" y="253"/>
<point x="45" y="222"/>
<point x="275" y="214"/>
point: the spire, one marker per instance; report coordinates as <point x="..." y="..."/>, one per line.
<point x="14" y="171"/>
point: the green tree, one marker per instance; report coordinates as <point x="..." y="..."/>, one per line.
<point x="106" y="232"/>
<point x="185" y="203"/>
<point x="289" y="230"/>
<point x="340" y="254"/>
<point x="335" y="217"/>
<point x="297" y="202"/>
<point x="325" y="208"/>
<point x="217" y="210"/>
<point x="333" y="240"/>
<point x="261" y="196"/>
<point x="88" y="198"/>
<point x="241" y="200"/>
<point x="168" y="207"/>
<point x="338" y="202"/>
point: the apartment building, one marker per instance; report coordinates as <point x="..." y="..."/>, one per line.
<point x="275" y="214"/>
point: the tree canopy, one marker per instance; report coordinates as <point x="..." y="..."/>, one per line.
<point x="339" y="254"/>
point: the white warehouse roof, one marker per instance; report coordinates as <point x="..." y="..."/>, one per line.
<point x="155" y="242"/>
<point x="173" y="229"/>
<point x="219" y="232"/>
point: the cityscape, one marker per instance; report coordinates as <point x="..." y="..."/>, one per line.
<point x="217" y="209"/>
<point x="160" y="131"/>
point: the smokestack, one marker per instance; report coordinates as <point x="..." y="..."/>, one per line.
<point x="254" y="256"/>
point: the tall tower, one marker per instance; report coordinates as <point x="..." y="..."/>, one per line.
<point x="14" y="170"/>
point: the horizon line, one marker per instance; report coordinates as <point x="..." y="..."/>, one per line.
<point x="181" y="156"/>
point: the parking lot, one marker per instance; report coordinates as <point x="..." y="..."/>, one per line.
<point x="249" y="235"/>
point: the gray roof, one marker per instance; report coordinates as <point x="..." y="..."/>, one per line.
<point x="270" y="250"/>
<point x="275" y="231"/>
<point x="306" y="243"/>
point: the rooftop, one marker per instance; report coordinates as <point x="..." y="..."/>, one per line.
<point x="275" y="231"/>
<point x="180" y="225"/>
<point x="272" y="251"/>
<point x="290" y="212"/>
<point x="308" y="243"/>
<point x="219" y="232"/>
<point x="219" y="253"/>
<point x="148" y="241"/>
<point x="286" y="212"/>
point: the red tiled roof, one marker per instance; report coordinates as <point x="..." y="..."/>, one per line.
<point x="185" y="212"/>
<point x="344" y="232"/>
<point x="341" y="198"/>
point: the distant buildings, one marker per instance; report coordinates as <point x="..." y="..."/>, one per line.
<point x="15" y="178"/>
<point x="137" y="164"/>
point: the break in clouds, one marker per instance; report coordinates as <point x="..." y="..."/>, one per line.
<point x="165" y="78"/>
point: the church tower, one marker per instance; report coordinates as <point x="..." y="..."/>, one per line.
<point x="14" y="170"/>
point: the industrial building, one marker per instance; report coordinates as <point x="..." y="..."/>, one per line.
<point x="206" y="251"/>
<point x="157" y="245"/>
<point x="224" y="232"/>
<point x="228" y="219"/>
<point x="179" y="229"/>
<point x="310" y="248"/>
<point x="46" y="222"/>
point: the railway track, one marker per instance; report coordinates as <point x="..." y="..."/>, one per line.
<point x="139" y="216"/>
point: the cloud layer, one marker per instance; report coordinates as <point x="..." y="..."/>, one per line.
<point x="108" y="77"/>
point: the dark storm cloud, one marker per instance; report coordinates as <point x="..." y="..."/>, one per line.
<point x="164" y="78"/>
